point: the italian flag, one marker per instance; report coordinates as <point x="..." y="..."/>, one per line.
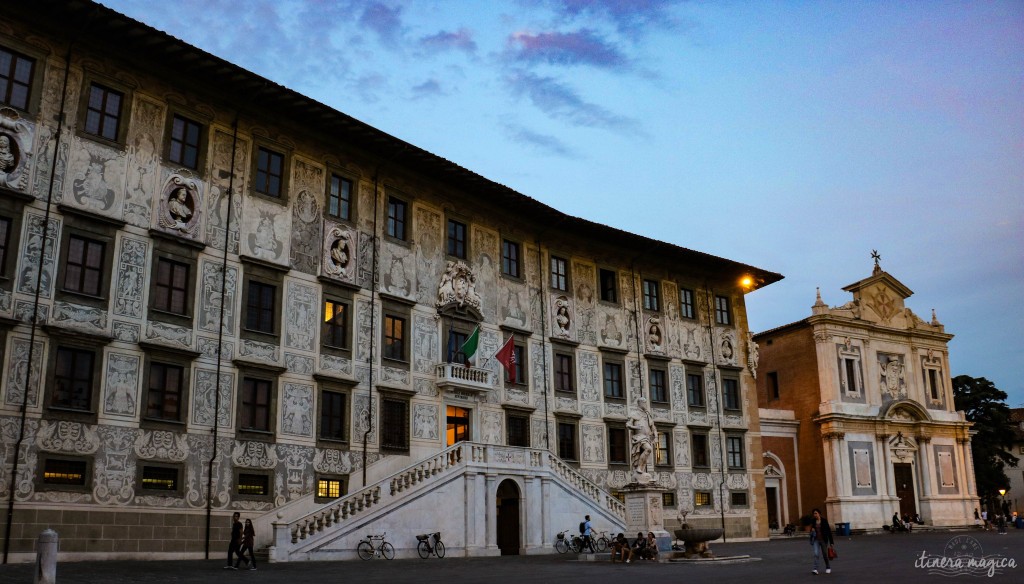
<point x="469" y="347"/>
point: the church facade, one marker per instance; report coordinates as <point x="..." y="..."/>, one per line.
<point x="857" y="414"/>
<point x="218" y="295"/>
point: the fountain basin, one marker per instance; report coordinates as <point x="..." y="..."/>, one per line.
<point x="696" y="541"/>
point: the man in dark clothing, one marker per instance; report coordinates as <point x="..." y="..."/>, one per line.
<point x="236" y="541"/>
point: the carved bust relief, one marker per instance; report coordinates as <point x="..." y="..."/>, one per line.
<point x="15" y="150"/>
<point x="180" y="206"/>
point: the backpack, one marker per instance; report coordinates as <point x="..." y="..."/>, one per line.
<point x="583" y="527"/>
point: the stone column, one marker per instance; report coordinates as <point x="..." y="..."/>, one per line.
<point x="890" y="480"/>
<point x="491" y="508"/>
<point x="545" y="498"/>
<point x="925" y="462"/>
<point x="970" y="490"/>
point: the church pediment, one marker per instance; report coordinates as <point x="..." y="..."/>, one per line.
<point x="881" y="298"/>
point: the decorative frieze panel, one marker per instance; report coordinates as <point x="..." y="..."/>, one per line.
<point x="491" y="424"/>
<point x="299" y="364"/>
<point x="586" y="329"/>
<point x="162" y="446"/>
<point x="203" y="402"/>
<point x="144" y="134"/>
<point x="513" y="312"/>
<point x="397" y="270"/>
<point x="168" y="334"/>
<point x="485" y="244"/>
<point x="425" y="422"/>
<point x="126" y="332"/>
<point x="518" y="396"/>
<point x="297" y="410"/>
<point x="593" y="443"/>
<point x="693" y="343"/>
<point x="131" y="278"/>
<point x="305" y="234"/>
<point x="77" y="317"/>
<point x="114" y="476"/>
<point x="67" y="437"/>
<point x="207" y="348"/>
<point x="334" y="364"/>
<point x="211" y="298"/>
<point x="301" y="315"/>
<point x="19" y="369"/>
<point x="425" y="344"/>
<point x="16" y="138"/>
<point x="97" y="174"/>
<point x="591" y="410"/>
<point x="588" y="377"/>
<point x="254" y="455"/>
<point x="222" y="182"/>
<point x="121" y="390"/>
<point x="612" y="330"/>
<point x="677" y="385"/>
<point x="361" y="415"/>
<point x="33" y="249"/>
<point x="429" y="254"/>
<point x="257" y="351"/>
<point x="266" y="231"/>
<point x="425" y="387"/>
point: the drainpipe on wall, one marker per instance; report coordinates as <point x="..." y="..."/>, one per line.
<point x="35" y="303"/>
<point x="220" y="332"/>
<point x="721" y="432"/>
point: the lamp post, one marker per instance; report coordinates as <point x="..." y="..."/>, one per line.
<point x="1002" y="511"/>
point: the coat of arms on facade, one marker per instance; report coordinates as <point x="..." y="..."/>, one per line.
<point x="179" y="206"/>
<point x="891" y="371"/>
<point x="458" y="288"/>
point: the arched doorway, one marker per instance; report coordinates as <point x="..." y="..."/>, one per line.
<point x="507" y="501"/>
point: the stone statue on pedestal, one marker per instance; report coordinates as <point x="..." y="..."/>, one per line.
<point x="644" y="440"/>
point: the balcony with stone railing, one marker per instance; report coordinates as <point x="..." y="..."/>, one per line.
<point x="461" y="378"/>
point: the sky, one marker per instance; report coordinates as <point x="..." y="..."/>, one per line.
<point x="793" y="136"/>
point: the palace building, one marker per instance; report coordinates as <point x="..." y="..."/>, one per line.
<point x="857" y="415"/>
<point x="218" y="295"/>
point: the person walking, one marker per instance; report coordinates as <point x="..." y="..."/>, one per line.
<point x="821" y="534"/>
<point x="248" y="541"/>
<point x="236" y="541"/>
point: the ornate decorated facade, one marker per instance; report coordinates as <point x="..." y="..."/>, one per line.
<point x="218" y="295"/>
<point x="857" y="414"/>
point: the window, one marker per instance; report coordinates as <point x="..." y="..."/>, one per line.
<point x="456" y="339"/>
<point x="564" y="373"/>
<point x="730" y="394"/>
<point x="5" y="241"/>
<point x="518" y="430"/>
<point x="160" y="478"/>
<point x="567" y="440"/>
<point x="702" y="498"/>
<point x="934" y="386"/>
<point x="668" y="500"/>
<point x="850" y="378"/>
<point x="163" y="401"/>
<point x="396" y="218"/>
<point x="457" y="425"/>
<point x="686" y="309"/>
<point x="609" y="286"/>
<point x="63" y="472"/>
<point x="15" y="78"/>
<point x="519" y="352"/>
<point x="394" y="337"/>
<point x="335" y="329"/>
<point x="456" y="239"/>
<point x="257" y="485"/>
<point x="255" y="404"/>
<point x="699" y="445"/>
<point x="734" y="451"/>
<point x="559" y="273"/>
<point x="339" y="198"/>
<point x="695" y="390"/>
<point x="260" y="304"/>
<point x="613" y="380"/>
<point x="103" y="112"/>
<point x="170" y="286"/>
<point x="738" y="498"/>
<point x="73" y="378"/>
<point x="652" y="295"/>
<point x="659" y="392"/>
<point x="185" y="141"/>
<point x="722" y="310"/>
<point x="663" y="453"/>
<point x="269" y="172"/>
<point x="333" y="416"/>
<point x="329" y="488"/>
<point x="394" y="434"/>
<point x="618" y="453"/>
<point x="83" y="268"/>
<point x="510" y="258"/>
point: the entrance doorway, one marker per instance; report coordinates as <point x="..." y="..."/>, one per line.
<point x="458" y="425"/>
<point x="507" y="499"/>
<point x="903" y="473"/>
<point x="772" y="498"/>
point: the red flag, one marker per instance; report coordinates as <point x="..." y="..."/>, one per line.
<point x="506" y="355"/>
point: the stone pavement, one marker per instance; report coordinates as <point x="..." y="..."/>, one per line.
<point x="876" y="559"/>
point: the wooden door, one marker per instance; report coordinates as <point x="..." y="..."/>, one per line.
<point x="904" y="476"/>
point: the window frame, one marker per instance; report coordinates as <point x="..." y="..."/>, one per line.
<point x="397" y="228"/>
<point x="723" y="310"/>
<point x="268" y="476"/>
<point x="343" y="442"/>
<point x="572" y="426"/>
<point x="91" y="390"/>
<point x="687" y="303"/>
<point x="559" y="375"/>
<point x="732" y="399"/>
<point x="772" y="382"/>
<point x="522" y="371"/>
<point x="618" y="444"/>
<point x="558" y="273"/>
<point x="121" y="118"/>
<point x="652" y="372"/>
<point x="152" y="361"/>
<point x="342" y="178"/>
<point x="401" y="445"/>
<point x="31" y="88"/>
<point x="510" y="266"/>
<point x="651" y="291"/>
<point x="735" y="459"/>
<point x="610" y="366"/>
<point x="609" y="294"/>
<point x="525" y="418"/>
<point x="87" y="473"/>
<point x="698" y="391"/>
<point x="187" y="118"/>
<point x="92" y="227"/>
<point x="705" y="452"/>
<point x="264" y="374"/>
<point x="702" y="495"/>
<point x="343" y="484"/>
<point x="732" y="499"/>
<point x="457" y="242"/>
<point x="272" y="150"/>
<point x="389" y="336"/>
<point x="140" y="480"/>
<point x="254" y="270"/>
<point x="663" y="452"/>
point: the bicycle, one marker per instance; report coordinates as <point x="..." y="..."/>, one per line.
<point x="565" y="542"/>
<point x="425" y="549"/>
<point x="366" y="549"/>
<point x="600" y="542"/>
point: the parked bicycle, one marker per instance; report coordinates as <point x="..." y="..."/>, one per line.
<point x="566" y="541"/>
<point x="367" y="550"/>
<point x="425" y="548"/>
<point x="601" y="541"/>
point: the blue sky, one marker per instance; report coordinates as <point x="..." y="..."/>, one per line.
<point x="793" y="136"/>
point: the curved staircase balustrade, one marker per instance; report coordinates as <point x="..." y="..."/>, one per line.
<point x="445" y="462"/>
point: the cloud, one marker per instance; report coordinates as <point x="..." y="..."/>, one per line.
<point x="460" y="40"/>
<point x="385" y="21"/>
<point x="560" y="101"/>
<point x="628" y="16"/>
<point x="428" y="88"/>
<point x="543" y="142"/>
<point x="583" y="47"/>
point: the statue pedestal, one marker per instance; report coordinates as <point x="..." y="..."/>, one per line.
<point x="644" y="512"/>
